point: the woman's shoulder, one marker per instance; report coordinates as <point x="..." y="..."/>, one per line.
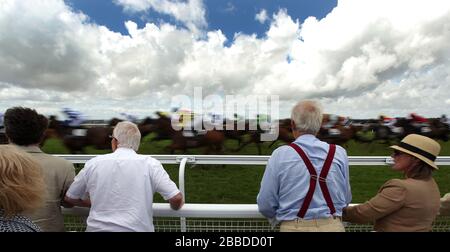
<point x="395" y="183"/>
<point x="17" y="223"/>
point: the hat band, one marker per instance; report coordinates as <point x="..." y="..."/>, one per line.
<point x="418" y="151"/>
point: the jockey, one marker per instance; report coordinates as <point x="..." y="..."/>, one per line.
<point x="197" y="124"/>
<point x="189" y="122"/>
<point x="216" y="119"/>
<point x="444" y="120"/>
<point x="418" y="121"/>
<point x="129" y="117"/>
<point x="213" y="120"/>
<point x="388" y="121"/>
<point x="332" y="121"/>
<point x="331" y="125"/>
<point x="75" y="118"/>
<point x="416" y="118"/>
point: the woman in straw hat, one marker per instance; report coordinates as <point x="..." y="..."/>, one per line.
<point x="409" y="204"/>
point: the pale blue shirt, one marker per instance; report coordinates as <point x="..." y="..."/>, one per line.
<point x="286" y="182"/>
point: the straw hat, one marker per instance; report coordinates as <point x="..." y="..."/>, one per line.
<point x="421" y="147"/>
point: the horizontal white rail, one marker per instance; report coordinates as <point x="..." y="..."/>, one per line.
<point x="246" y="159"/>
<point x="245" y="211"/>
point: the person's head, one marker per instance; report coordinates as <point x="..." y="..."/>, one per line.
<point x="24" y="126"/>
<point x="306" y="117"/>
<point x="22" y="185"/>
<point x="415" y="156"/>
<point x="126" y="135"/>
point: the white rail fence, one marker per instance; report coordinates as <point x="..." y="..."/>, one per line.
<point x="221" y="217"/>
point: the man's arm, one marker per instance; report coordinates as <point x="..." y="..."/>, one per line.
<point x="390" y="198"/>
<point x="77" y="190"/>
<point x="78" y="202"/>
<point x="267" y="198"/>
<point x="70" y="175"/>
<point x="176" y="202"/>
<point x="445" y="205"/>
<point x="346" y="171"/>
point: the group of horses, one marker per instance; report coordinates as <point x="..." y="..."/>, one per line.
<point x="433" y="128"/>
<point x="76" y="139"/>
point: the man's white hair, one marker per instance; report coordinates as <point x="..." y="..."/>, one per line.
<point x="307" y="116"/>
<point x="127" y="135"/>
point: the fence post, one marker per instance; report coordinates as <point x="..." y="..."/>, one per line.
<point x="181" y="184"/>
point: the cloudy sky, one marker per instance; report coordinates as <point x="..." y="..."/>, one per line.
<point x="360" y="58"/>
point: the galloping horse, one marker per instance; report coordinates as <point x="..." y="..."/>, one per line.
<point x="346" y="133"/>
<point x="212" y="139"/>
<point x="435" y="128"/>
<point x="3" y="138"/>
<point x="439" y="130"/>
<point x="75" y="143"/>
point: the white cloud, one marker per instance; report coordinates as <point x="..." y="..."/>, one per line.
<point x="262" y="16"/>
<point x="190" y="12"/>
<point x="365" y="58"/>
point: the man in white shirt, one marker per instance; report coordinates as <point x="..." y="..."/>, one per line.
<point x="119" y="187"/>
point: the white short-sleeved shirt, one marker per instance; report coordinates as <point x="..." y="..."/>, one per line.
<point x="121" y="187"/>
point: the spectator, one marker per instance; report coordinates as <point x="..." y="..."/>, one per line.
<point x="409" y="204"/>
<point x="119" y="186"/>
<point x="25" y="128"/>
<point x="22" y="189"/>
<point x="284" y="195"/>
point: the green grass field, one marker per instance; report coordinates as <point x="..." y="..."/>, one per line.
<point x="235" y="184"/>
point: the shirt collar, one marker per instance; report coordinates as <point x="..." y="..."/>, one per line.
<point x="306" y="137"/>
<point x="124" y="150"/>
<point x="29" y="148"/>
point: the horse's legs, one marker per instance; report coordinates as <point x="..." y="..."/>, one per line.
<point x="243" y="145"/>
<point x="270" y="146"/>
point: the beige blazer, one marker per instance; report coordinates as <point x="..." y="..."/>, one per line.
<point x="58" y="175"/>
<point x="445" y="205"/>
<point x="403" y="205"/>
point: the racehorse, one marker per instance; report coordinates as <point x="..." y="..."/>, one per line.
<point x="212" y="139"/>
<point x="284" y="132"/>
<point x="346" y="133"/>
<point x="237" y="131"/>
<point x="383" y="132"/>
<point x="439" y="130"/>
<point x="75" y="143"/>
<point x="434" y="128"/>
<point x="3" y="138"/>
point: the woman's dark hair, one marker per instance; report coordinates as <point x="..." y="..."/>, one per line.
<point x="421" y="171"/>
<point x="24" y="126"/>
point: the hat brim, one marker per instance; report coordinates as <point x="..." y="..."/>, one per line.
<point x="424" y="159"/>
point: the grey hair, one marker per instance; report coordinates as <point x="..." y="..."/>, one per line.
<point x="307" y="116"/>
<point x="127" y="135"/>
